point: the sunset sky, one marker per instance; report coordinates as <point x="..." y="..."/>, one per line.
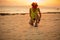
<point x="28" y="2"/>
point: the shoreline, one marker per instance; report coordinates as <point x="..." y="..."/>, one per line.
<point x="28" y="13"/>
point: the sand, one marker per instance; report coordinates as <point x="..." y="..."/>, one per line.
<point x="16" y="27"/>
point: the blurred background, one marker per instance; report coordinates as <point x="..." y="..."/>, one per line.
<point x="22" y="6"/>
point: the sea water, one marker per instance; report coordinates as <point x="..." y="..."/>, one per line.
<point x="24" y="9"/>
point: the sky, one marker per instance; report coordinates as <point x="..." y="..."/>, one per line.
<point x="28" y="2"/>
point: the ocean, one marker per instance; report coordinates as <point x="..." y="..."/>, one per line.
<point x="24" y="9"/>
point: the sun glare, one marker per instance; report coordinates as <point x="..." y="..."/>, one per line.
<point x="38" y="1"/>
<point x="35" y="1"/>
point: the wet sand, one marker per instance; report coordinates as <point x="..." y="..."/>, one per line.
<point x="16" y="27"/>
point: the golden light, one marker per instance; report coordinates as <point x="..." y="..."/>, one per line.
<point x="35" y="1"/>
<point x="28" y="2"/>
<point x="38" y="1"/>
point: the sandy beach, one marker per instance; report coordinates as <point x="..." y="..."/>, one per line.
<point x="16" y="27"/>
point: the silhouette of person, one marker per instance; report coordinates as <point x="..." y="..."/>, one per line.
<point x="35" y="14"/>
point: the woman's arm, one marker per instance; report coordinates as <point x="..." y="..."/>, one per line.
<point x="30" y="12"/>
<point x="39" y="12"/>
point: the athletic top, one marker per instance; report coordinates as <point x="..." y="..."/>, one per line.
<point x="34" y="12"/>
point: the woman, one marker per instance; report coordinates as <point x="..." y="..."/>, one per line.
<point x="35" y="14"/>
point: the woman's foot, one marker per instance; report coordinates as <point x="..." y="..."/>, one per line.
<point x="36" y="26"/>
<point x="31" y="24"/>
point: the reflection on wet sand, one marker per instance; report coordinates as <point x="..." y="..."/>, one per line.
<point x="16" y="27"/>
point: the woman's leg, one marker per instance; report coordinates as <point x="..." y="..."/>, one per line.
<point x="31" y="22"/>
<point x="36" y="22"/>
<point x="38" y="19"/>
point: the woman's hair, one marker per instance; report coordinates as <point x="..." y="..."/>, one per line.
<point x="34" y="4"/>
